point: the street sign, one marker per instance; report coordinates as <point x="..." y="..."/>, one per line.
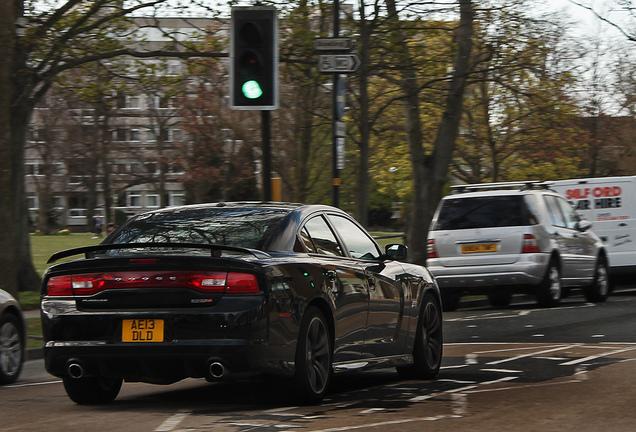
<point x="338" y="63"/>
<point x="333" y="44"/>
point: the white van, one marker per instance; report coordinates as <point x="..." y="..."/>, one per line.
<point x="610" y="204"/>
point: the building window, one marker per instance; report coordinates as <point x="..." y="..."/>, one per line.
<point x="176" y="199"/>
<point x="151" y="136"/>
<point x="120" y="134"/>
<point x="32" y="202"/>
<point x="133" y="102"/>
<point x="135" y="135"/>
<point x="152" y="200"/>
<point x="174" y="135"/>
<point x="134" y="199"/>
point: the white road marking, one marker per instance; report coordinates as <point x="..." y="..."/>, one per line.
<point x="32" y="384"/>
<point x="172" y="422"/>
<point x="594" y="357"/>
<point x="532" y="354"/>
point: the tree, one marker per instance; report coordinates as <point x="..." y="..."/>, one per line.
<point x="520" y="121"/>
<point x="46" y="44"/>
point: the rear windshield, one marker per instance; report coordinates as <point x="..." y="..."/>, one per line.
<point x="242" y="227"/>
<point x="482" y="212"/>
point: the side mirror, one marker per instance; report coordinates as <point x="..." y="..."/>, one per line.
<point x="396" y="252"/>
<point x="583" y="225"/>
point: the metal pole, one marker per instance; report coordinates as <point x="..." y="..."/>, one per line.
<point x="336" y="83"/>
<point x="267" y="159"/>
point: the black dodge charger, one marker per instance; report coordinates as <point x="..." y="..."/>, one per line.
<point x="227" y="290"/>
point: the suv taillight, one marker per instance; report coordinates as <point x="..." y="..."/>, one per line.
<point x="430" y="248"/>
<point x="530" y="244"/>
<point x="206" y="282"/>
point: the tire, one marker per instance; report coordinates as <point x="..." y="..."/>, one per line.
<point x="11" y="348"/>
<point x="314" y="356"/>
<point x="428" y="348"/>
<point x="599" y="289"/>
<point x="499" y="298"/>
<point x="550" y="290"/>
<point x="92" y="390"/>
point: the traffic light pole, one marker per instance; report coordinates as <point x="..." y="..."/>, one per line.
<point x="267" y="159"/>
<point x="334" y="147"/>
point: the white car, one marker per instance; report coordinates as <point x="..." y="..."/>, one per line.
<point x="502" y="238"/>
<point x="12" y="338"/>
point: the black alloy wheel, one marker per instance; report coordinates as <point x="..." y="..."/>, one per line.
<point x="429" y="342"/>
<point x="313" y="359"/>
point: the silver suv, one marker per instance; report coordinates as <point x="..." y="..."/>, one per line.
<point x="502" y="238"/>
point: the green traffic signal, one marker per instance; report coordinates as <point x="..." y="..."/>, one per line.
<point x="252" y="89"/>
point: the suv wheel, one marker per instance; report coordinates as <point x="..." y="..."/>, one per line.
<point x="599" y="289"/>
<point x="550" y="289"/>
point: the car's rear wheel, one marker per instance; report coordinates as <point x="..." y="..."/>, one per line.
<point x="92" y="390"/>
<point x="550" y="289"/>
<point x="11" y="348"/>
<point x="427" y="352"/>
<point x="313" y="359"/>
<point x="600" y="288"/>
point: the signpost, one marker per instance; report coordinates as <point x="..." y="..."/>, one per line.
<point x="337" y="59"/>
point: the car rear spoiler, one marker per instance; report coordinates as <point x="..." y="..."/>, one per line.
<point x="214" y="249"/>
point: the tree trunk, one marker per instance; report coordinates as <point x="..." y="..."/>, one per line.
<point x="430" y="172"/>
<point x="8" y="251"/>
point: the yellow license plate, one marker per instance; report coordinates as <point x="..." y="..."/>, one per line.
<point x="142" y="330"/>
<point x="479" y="247"/>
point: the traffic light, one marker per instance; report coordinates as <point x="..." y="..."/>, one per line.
<point x="254" y="58"/>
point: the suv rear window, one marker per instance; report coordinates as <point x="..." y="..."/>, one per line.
<point x="482" y="212"/>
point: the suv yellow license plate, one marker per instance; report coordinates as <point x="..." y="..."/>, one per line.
<point x="142" y="330"/>
<point x="479" y="248"/>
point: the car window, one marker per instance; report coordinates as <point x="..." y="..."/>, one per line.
<point x="248" y="228"/>
<point x="482" y="212"/>
<point x="570" y="216"/>
<point x="554" y="210"/>
<point x="533" y="212"/>
<point x="319" y="238"/>
<point x="356" y="240"/>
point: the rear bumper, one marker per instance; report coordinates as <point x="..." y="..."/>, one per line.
<point x="165" y="363"/>
<point x="529" y="270"/>
<point x="240" y="335"/>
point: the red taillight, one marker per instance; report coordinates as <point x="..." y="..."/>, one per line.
<point x="60" y="286"/>
<point x="430" y="248"/>
<point x="207" y="282"/>
<point x="245" y="283"/>
<point x="530" y="244"/>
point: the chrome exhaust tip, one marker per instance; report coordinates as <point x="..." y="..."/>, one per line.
<point x="216" y="370"/>
<point x="75" y="370"/>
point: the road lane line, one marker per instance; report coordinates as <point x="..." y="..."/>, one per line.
<point x="532" y="354"/>
<point x="594" y="357"/>
<point x="172" y="422"/>
<point x="33" y="384"/>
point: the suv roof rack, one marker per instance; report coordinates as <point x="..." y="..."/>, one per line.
<point x="521" y="185"/>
